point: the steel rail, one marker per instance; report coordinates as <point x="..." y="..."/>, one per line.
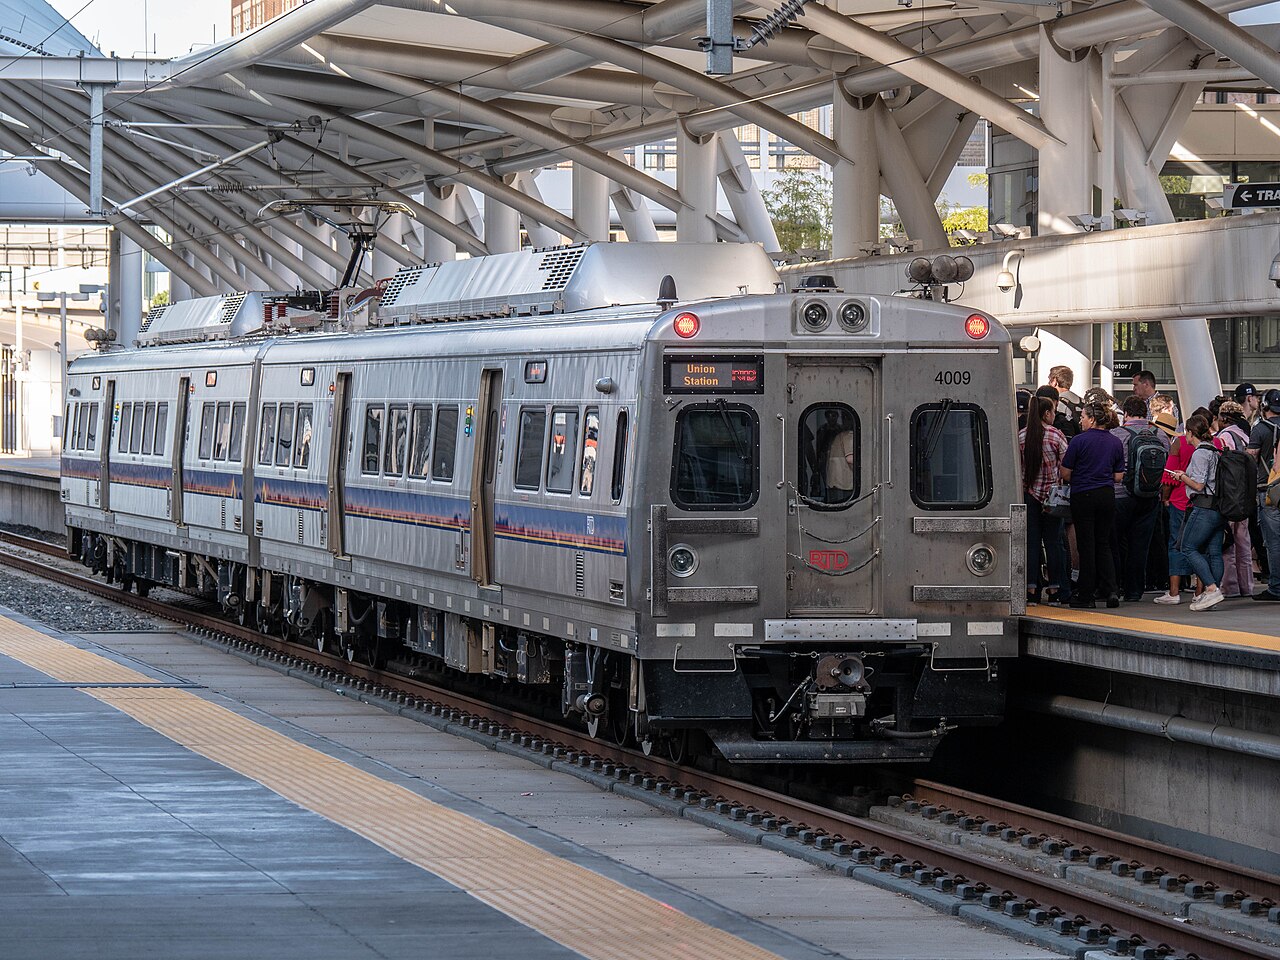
<point x="899" y="846"/>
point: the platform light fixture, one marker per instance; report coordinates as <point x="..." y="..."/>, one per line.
<point x="1135" y="218"/>
<point x="1007" y="231"/>
<point x="1086" y="222"/>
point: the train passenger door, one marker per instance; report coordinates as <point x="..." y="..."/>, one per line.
<point x="833" y="508"/>
<point x="339" y="444"/>
<point x="178" y="446"/>
<point x="484" y="476"/>
<point x="104" y="452"/>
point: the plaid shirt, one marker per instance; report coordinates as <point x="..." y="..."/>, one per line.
<point x="1053" y="446"/>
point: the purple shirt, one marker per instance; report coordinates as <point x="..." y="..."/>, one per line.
<point x="1094" y="457"/>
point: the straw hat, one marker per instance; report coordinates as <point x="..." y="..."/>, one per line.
<point x="1166" y="421"/>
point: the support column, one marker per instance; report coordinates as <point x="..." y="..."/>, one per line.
<point x="129" y="291"/>
<point x="1195" y="368"/>
<point x="96" y="122"/>
<point x="696" y="179"/>
<point x="323" y="234"/>
<point x="1066" y="178"/>
<point x="501" y="225"/>
<point x="856" y="181"/>
<point x="743" y="193"/>
<point x="540" y="235"/>
<point x="384" y="265"/>
<point x="591" y="202"/>
<point x="632" y="209"/>
<point x="440" y="200"/>
<point x="906" y="184"/>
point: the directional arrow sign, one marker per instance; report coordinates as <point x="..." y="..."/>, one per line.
<point x="1240" y="196"/>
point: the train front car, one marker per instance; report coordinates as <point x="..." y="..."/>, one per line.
<point x="835" y="531"/>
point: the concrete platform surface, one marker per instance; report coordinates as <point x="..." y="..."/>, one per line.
<point x="31" y="466"/>
<point x="328" y="828"/>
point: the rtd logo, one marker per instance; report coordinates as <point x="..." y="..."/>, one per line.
<point x="829" y="560"/>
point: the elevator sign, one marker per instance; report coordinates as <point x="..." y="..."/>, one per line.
<point x="1246" y="196"/>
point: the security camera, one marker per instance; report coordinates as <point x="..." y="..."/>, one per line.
<point x="1274" y="273"/>
<point x="1005" y="281"/>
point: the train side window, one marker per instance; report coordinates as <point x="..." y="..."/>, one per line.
<point x="91" y="427"/>
<point x="67" y="431"/>
<point x="372" y="448"/>
<point x="829" y="471"/>
<point x="716" y="457"/>
<point x="302" y="443"/>
<point x="135" y="428"/>
<point x="562" y="449"/>
<point x="420" y="447"/>
<point x="533" y="426"/>
<point x="149" y="429"/>
<point x="222" y="431"/>
<point x="267" y="434"/>
<point x="126" y="415"/>
<point x="205" y="449"/>
<point x="397" y="440"/>
<point x="446" y="441"/>
<point x="590" y="449"/>
<point x="619" y="458"/>
<point x="237" y="431"/>
<point x="950" y="456"/>
<point x="284" y="435"/>
<point x="162" y="434"/>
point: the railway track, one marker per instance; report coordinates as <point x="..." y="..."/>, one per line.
<point x="1078" y="914"/>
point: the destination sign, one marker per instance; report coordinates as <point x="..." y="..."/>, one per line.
<point x="714" y="375"/>
<point x="1239" y="196"/>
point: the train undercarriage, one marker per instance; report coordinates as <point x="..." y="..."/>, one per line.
<point x="777" y="705"/>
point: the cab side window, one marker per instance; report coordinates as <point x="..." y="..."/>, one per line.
<point x="397" y="440"/>
<point x="284" y="435"/>
<point x="420" y="447"/>
<point x="161" y="441"/>
<point x="446" y="441"/>
<point x="206" y="431"/>
<point x="562" y="449"/>
<point x="126" y="418"/>
<point x="302" y="442"/>
<point x="237" y="430"/>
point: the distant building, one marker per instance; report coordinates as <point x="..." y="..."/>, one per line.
<point x="249" y="14"/>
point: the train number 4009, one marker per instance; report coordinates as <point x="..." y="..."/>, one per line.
<point x="951" y="378"/>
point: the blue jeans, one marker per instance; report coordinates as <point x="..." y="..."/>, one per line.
<point x="1269" y="521"/>
<point x="1177" y="563"/>
<point x="1202" y="544"/>
<point x="1043" y="528"/>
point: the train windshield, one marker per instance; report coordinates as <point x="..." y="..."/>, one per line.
<point x="716" y="463"/>
<point x="950" y="456"/>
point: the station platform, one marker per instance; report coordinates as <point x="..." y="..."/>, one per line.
<point x="30" y="493"/>
<point x="1233" y="646"/>
<point x="162" y="798"/>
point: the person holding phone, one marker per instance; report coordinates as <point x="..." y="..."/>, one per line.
<point x="1093" y="464"/>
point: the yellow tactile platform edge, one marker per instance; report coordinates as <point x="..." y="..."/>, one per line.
<point x="588" y="913"/>
<point x="1181" y="631"/>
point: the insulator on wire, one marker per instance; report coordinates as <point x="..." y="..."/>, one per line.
<point x="774" y="23"/>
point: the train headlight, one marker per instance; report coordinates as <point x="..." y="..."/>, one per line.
<point x="981" y="559"/>
<point x="853" y="316"/>
<point x="815" y="315"/>
<point x="682" y="560"/>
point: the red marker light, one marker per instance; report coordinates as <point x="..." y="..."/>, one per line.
<point x="686" y="325"/>
<point x="977" y="326"/>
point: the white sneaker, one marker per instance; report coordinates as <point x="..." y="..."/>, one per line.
<point x="1168" y="598"/>
<point x="1207" y="599"/>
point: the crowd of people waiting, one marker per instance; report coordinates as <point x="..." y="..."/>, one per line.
<point x="1126" y="498"/>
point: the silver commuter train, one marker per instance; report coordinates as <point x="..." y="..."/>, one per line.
<point x="789" y="521"/>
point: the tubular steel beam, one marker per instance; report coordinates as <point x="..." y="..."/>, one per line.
<point x="1224" y="36"/>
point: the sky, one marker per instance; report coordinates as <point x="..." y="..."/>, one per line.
<point x="131" y="27"/>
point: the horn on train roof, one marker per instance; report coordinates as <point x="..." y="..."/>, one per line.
<point x="667" y="296"/>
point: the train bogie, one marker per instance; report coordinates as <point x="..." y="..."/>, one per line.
<point x="788" y="520"/>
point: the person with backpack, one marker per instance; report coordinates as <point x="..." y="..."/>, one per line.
<point x="1264" y="444"/>
<point x="1042" y="446"/>
<point x="1137" y="496"/>
<point x="1237" y="496"/>
<point x="1201" y="539"/>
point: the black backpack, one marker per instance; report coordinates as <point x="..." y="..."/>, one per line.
<point x="1236" y="485"/>
<point x="1144" y="464"/>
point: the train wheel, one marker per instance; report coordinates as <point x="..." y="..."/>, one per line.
<point x="372" y="653"/>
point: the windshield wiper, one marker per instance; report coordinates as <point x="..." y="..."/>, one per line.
<point x="739" y="446"/>
<point x="935" y="432"/>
